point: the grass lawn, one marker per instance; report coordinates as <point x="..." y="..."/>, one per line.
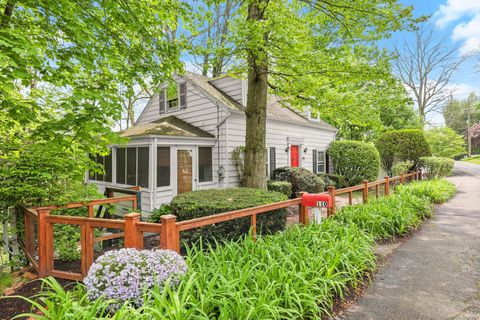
<point x="475" y="160"/>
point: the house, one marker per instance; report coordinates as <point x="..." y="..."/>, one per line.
<point x="184" y="138"/>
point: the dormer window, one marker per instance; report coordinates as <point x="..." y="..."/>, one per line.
<point x="173" y="96"/>
<point x="313" y="115"/>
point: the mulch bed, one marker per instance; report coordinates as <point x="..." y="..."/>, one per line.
<point x="11" y="306"/>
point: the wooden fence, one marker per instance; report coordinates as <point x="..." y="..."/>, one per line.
<point x="38" y="234"/>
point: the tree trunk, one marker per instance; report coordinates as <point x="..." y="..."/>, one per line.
<point x="256" y="111"/>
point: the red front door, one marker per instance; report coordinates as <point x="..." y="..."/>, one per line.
<point x="294" y="156"/>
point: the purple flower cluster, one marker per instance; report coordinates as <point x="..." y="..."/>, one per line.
<point x="123" y="275"/>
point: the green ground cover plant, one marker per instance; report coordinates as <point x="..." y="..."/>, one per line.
<point x="387" y="217"/>
<point x="294" y="274"/>
<point x="437" y="191"/>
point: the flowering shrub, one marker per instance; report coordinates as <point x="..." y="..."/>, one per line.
<point x="123" y="275"/>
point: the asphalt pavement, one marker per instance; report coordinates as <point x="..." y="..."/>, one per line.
<point x="436" y="273"/>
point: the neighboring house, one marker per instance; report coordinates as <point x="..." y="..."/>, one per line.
<point x="184" y="138"/>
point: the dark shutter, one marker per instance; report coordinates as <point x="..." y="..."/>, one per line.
<point x="315" y="167"/>
<point x="327" y="162"/>
<point x="273" y="161"/>
<point x="183" y="95"/>
<point x="161" y="101"/>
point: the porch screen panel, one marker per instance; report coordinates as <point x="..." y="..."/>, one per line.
<point x="163" y="166"/>
<point x="132" y="166"/>
<point x="205" y="164"/>
<point x="108" y="168"/>
<point x="143" y="165"/>
<point x="121" y="165"/>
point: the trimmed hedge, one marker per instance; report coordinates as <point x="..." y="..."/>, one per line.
<point x="284" y="187"/>
<point x="402" y="167"/>
<point x="300" y="178"/>
<point x="437" y="167"/>
<point x="355" y="161"/>
<point x="402" y="145"/>
<point x="203" y="203"/>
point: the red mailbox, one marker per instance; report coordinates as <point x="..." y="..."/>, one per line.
<point x="321" y="200"/>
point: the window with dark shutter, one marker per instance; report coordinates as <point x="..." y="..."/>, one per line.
<point x="314" y="152"/>
<point x="183" y="95"/>
<point x="161" y="101"/>
<point x="273" y="161"/>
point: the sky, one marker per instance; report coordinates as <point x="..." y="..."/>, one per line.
<point x="458" y="21"/>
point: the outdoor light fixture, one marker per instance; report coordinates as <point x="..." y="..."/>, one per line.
<point x="287" y="148"/>
<point x="305" y="150"/>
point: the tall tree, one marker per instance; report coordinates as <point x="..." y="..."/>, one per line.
<point x="426" y="67"/>
<point x="456" y="112"/>
<point x="211" y="45"/>
<point x="299" y="48"/>
<point x="62" y="64"/>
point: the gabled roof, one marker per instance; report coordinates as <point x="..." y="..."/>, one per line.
<point x="276" y="109"/>
<point x="168" y="126"/>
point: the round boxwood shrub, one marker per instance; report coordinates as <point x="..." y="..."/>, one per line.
<point x="355" y="161"/>
<point x="284" y="187"/>
<point x="300" y="178"/>
<point x="202" y="203"/>
<point x="437" y="167"/>
<point x="402" y="145"/>
<point x="123" y="275"/>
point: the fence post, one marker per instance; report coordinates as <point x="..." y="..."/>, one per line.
<point x="420" y="174"/>
<point x="253" y="224"/>
<point x="302" y="211"/>
<point x="132" y="236"/>
<point x="387" y="185"/>
<point x="331" y="191"/>
<point x="402" y="178"/>
<point x="365" y="191"/>
<point x="169" y="235"/>
<point x="43" y="241"/>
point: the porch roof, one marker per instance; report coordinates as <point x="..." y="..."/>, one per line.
<point x="168" y="126"/>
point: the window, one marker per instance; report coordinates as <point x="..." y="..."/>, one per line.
<point x="133" y="166"/>
<point x="271" y="162"/>
<point x="205" y="172"/>
<point x="104" y="162"/>
<point x="172" y="96"/>
<point x="319" y="161"/>
<point x="163" y="166"/>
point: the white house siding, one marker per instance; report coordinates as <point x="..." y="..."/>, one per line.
<point x="202" y="113"/>
<point x="231" y="87"/>
<point x="279" y="134"/>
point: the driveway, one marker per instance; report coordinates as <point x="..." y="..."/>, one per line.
<point x="436" y="273"/>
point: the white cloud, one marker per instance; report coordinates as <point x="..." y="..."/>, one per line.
<point x="466" y="31"/>
<point x="462" y="90"/>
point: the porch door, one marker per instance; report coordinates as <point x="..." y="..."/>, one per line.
<point x="294" y="161"/>
<point x="184" y="170"/>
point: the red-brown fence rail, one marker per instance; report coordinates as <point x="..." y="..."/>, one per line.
<point x="39" y="223"/>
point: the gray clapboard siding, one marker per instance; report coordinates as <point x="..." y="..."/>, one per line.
<point x="278" y="134"/>
<point x="232" y="87"/>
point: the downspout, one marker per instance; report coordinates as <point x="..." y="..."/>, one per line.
<point x="154" y="175"/>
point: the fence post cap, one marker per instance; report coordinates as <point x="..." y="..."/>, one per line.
<point x="132" y="215"/>
<point x="331" y="188"/>
<point x="387" y="177"/>
<point x="168" y="217"/>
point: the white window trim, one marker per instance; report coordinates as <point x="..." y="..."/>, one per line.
<point x="167" y="109"/>
<point x="324" y="161"/>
